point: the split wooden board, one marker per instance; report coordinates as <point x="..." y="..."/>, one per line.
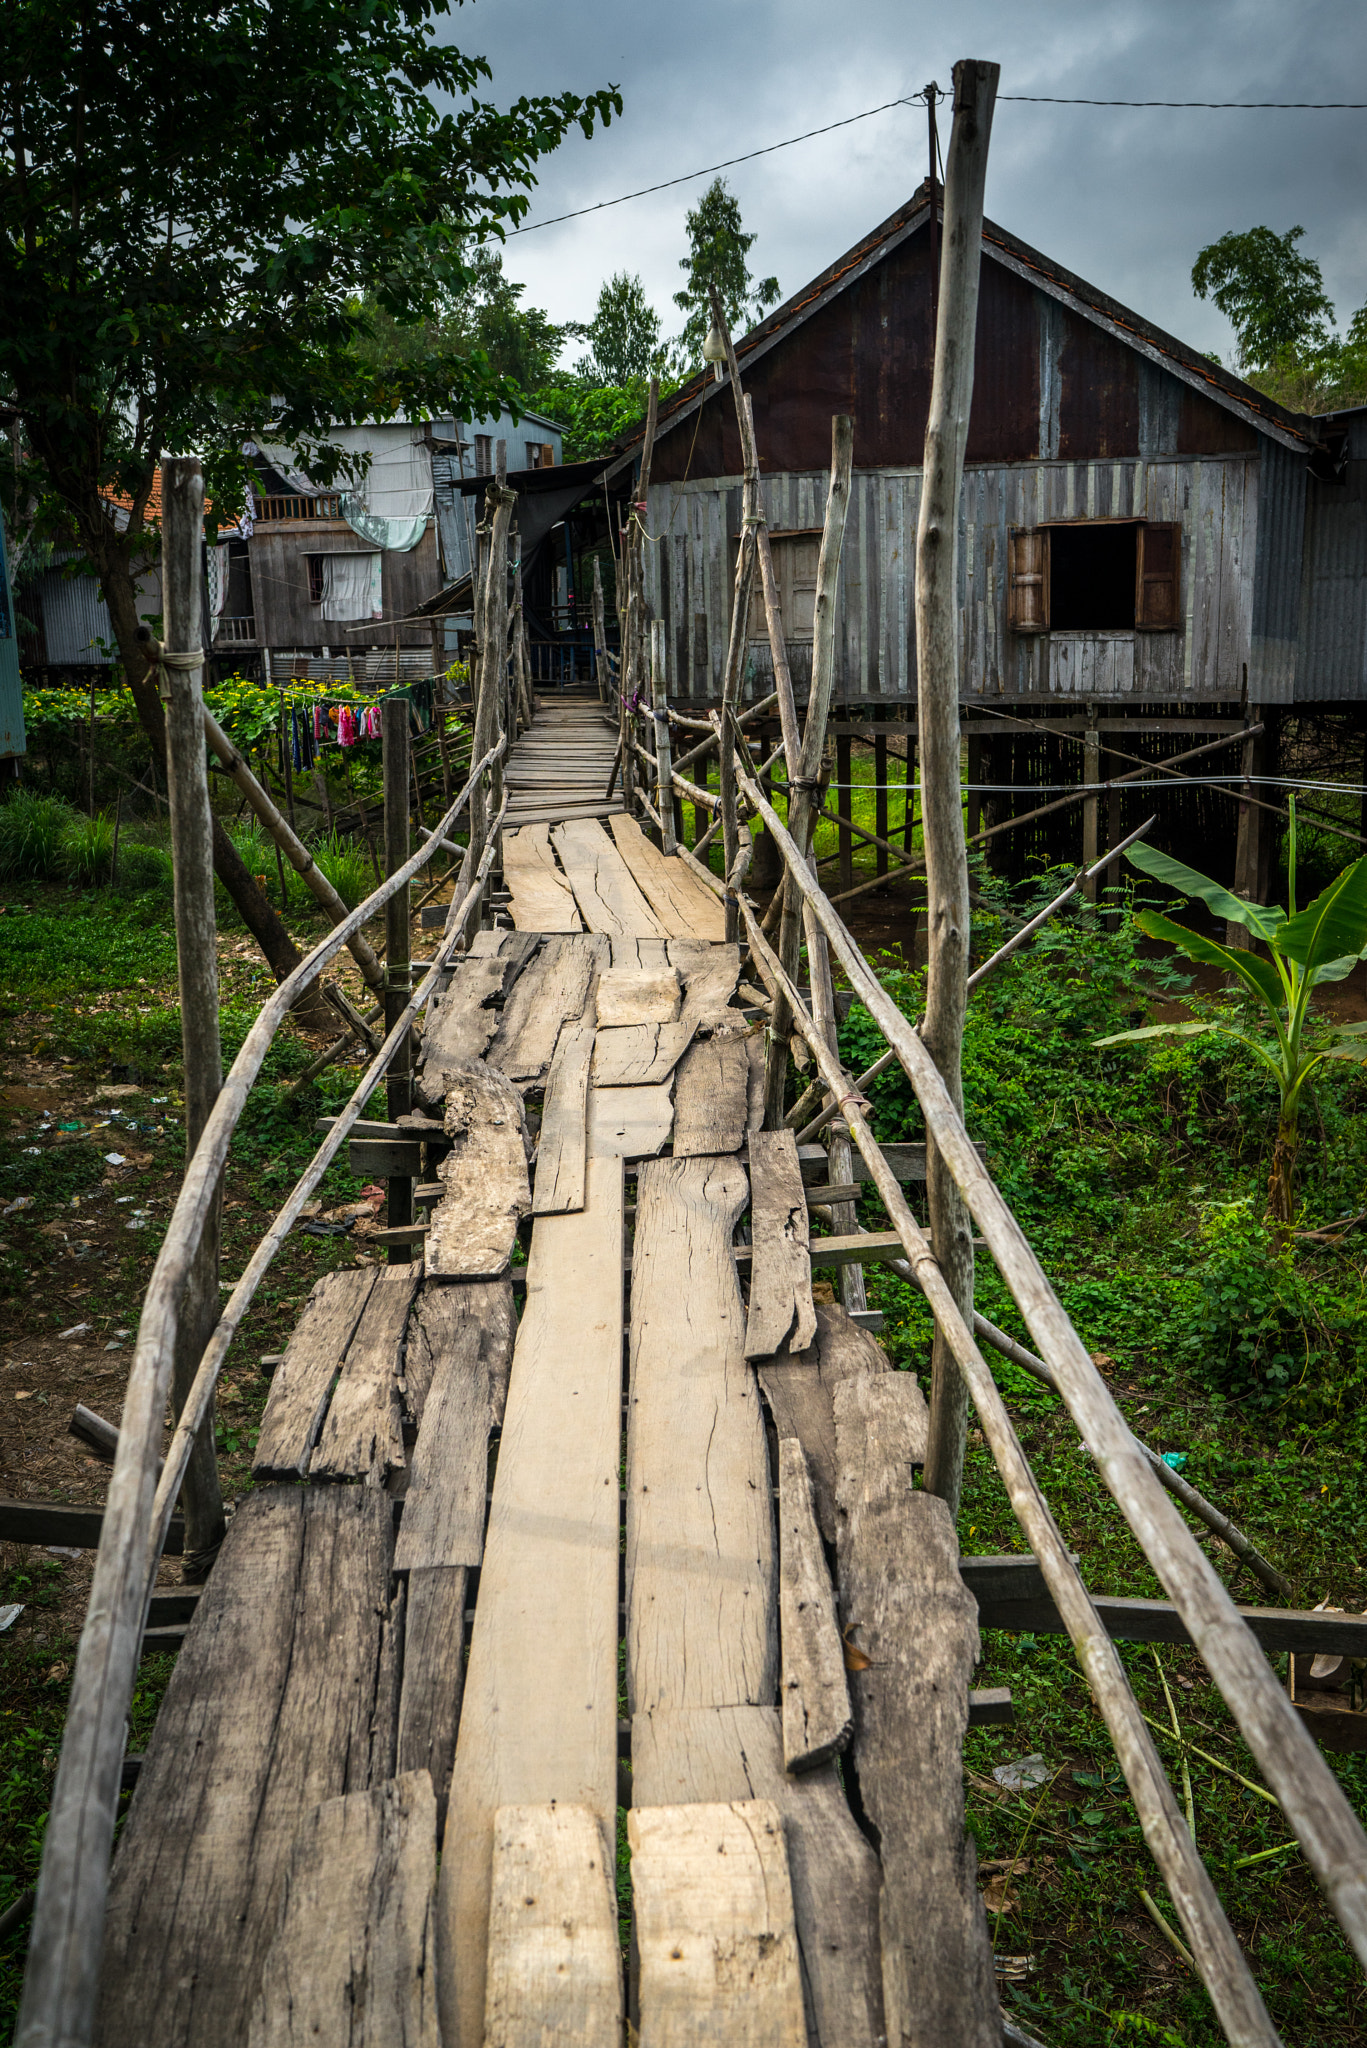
<point x="354" y="1959"/>
<point x="715" y="1934"/>
<point x="463" y="1018"/>
<point x="269" y="1712"/>
<point x="349" y="1331"/>
<point x="638" y="995"/>
<point x="608" y="899"/>
<point x="485" y="1176"/>
<point x="781" y="1314"/>
<point x="711" y="1098"/>
<point x="638" y="1055"/>
<point x="800" y="1393"/>
<point x="469" y="1326"/>
<point x="558" y="986"/>
<point x="562" y="1148"/>
<point x="630" y="1123"/>
<point x="685" y="906"/>
<point x="735" y="1753"/>
<point x="700" y="1562"/>
<point x="540" y="899"/>
<point x="816" y="1699"/>
<point x="907" y="1610"/>
<point x="539" y="1719"/>
<point x="554" y="1965"/>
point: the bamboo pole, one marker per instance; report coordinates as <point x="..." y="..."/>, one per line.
<point x="197" y="960"/>
<point x="948" y="917"/>
<point x="398" y="948"/>
<point x="804" y="787"/>
<point x="664" y="803"/>
<point x="1334" y="1842"/>
<point x="600" y="632"/>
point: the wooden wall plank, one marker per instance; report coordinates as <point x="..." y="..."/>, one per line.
<point x="470" y="1327"/>
<point x="906" y="1608"/>
<point x="268" y="1713"/>
<point x="562" y="1147"/>
<point x="302" y="1383"/>
<point x="781" y="1314"/>
<point x="554" y="1965"/>
<point x="539" y="1719"/>
<point x="485" y="1176"/>
<point x="353" y="1959"/>
<point x="700" y="1561"/>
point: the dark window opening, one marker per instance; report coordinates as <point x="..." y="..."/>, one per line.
<point x="1092" y="578"/>
<point x="315" y="569"/>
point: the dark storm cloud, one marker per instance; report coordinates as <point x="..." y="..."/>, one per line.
<point x="1125" y="198"/>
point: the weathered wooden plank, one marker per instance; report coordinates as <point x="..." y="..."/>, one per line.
<point x="470" y="1329"/>
<point x="700" y="1562"/>
<point x="554" y="1964"/>
<point x="608" y="899"/>
<point x="648" y="955"/>
<point x="709" y="974"/>
<point x="353" y="1960"/>
<point x="726" y="1753"/>
<point x="638" y="995"/>
<point x="485" y="1175"/>
<point x="539" y="1719"/>
<point x="630" y="1123"/>
<point x="714" y="1927"/>
<point x="462" y="1018"/>
<point x="362" y="1437"/>
<point x="540" y="899"/>
<point x="558" y="985"/>
<point x="684" y="906"/>
<point x="302" y="1383"/>
<point x="816" y="1699"/>
<point x="433" y="1676"/>
<point x="904" y="1605"/>
<point x="800" y="1392"/>
<point x="638" y="1055"/>
<point x="711" y="1097"/>
<point x="562" y="1148"/>
<point x="781" y="1314"/>
<point x="268" y="1713"/>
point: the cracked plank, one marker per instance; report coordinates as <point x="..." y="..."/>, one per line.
<point x="554" y="1965"/>
<point x="484" y="1174"/>
<point x="609" y="900"/>
<point x="711" y="1097"/>
<point x="816" y="1699"/>
<point x="684" y="906"/>
<point x="540" y="899"/>
<point x="638" y="1055"/>
<point x="559" y="985"/>
<point x="800" y="1391"/>
<point x="781" y="1314"/>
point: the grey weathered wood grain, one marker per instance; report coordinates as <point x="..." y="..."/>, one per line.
<point x="485" y="1175"/>
<point x="903" y="1604"/>
<point x="433" y="1676"/>
<point x="709" y="974"/>
<point x="638" y="1055"/>
<point x="608" y="899"/>
<point x="651" y="955"/>
<point x="558" y="985"/>
<point x="443" y="1508"/>
<point x="716" y="1753"/>
<point x="353" y="1961"/>
<point x="562" y="1148"/>
<point x="800" y="1392"/>
<point x="711" y="1097"/>
<point x="441" y="1322"/>
<point x="362" y="1437"/>
<point x="539" y="1717"/>
<point x="781" y="1313"/>
<point x="700" y="1560"/>
<point x="540" y="899"/>
<point x="554" y="1964"/>
<point x="816" y="1699"/>
<point x="630" y="1123"/>
<point x="684" y="906"/>
<point x="462" y="1018"/>
<point x="714" y="1927"/>
<point x="268" y="1713"/>
<point x="302" y="1383"/>
<point x="638" y="995"/>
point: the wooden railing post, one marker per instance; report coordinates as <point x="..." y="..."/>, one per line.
<point x="197" y="960"/>
<point x="948" y="923"/>
<point x="397" y="928"/>
<point x="600" y="633"/>
<point x="664" y="771"/>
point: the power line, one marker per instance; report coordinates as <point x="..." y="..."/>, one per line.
<point x="911" y="99"/>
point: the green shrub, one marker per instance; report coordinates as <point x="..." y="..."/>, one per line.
<point x="87" y="848"/>
<point x="254" y="844"/>
<point x="347" y="866"/>
<point x="145" y="868"/>
<point x="32" y="829"/>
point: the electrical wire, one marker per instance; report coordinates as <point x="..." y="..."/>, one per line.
<point x="915" y="98"/>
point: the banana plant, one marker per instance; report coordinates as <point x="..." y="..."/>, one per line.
<point x="1305" y="949"/>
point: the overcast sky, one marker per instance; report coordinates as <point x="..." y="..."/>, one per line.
<point x="1124" y="198"/>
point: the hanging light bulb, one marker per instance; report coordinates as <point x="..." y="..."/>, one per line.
<point x="714" y="350"/>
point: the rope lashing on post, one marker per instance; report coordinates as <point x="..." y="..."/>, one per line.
<point x="163" y="659"/>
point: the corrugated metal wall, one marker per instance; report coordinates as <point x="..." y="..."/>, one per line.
<point x="1332" y="654"/>
<point x="1215" y="501"/>
<point x="76" y="624"/>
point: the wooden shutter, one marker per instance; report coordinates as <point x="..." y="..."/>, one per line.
<point x="1157" y="595"/>
<point x="1027" y="608"/>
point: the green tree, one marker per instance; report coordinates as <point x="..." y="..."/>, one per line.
<point x="717" y="249"/>
<point x="202" y="210"/>
<point x="1272" y="295"/>
<point x="482" y="318"/>
<point x="624" y="334"/>
<point x="1306" y="948"/>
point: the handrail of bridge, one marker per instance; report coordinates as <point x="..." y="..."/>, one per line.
<point x="61" y="1979"/>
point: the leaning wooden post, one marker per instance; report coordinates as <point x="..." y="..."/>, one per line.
<point x="664" y="767"/>
<point x="804" y="790"/>
<point x="600" y="633"/>
<point x="197" y="962"/>
<point x="948" y="920"/>
<point x="398" y="970"/>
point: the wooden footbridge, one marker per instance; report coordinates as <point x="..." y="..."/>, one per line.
<point x="587" y="1654"/>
